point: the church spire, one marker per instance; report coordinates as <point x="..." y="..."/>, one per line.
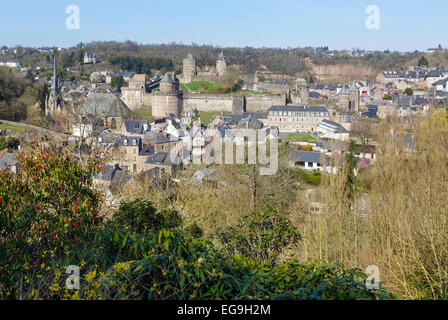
<point x="55" y="83"/>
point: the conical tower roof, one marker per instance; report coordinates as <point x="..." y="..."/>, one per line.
<point x="166" y="78"/>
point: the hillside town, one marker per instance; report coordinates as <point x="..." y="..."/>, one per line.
<point x="314" y="119"/>
<point x="200" y="172"/>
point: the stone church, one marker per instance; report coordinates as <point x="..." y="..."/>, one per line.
<point x="53" y="103"/>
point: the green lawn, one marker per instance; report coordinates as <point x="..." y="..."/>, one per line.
<point x="206" y="116"/>
<point x="200" y="86"/>
<point x="301" y="137"/>
<point x="12" y="127"/>
<point x="143" y="114"/>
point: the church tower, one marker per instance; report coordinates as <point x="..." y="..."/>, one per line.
<point x="53" y="102"/>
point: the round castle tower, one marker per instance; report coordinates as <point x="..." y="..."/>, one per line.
<point x="169" y="99"/>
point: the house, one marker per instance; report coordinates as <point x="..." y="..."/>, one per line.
<point x="173" y="129"/>
<point x="190" y="116"/>
<point x="166" y="162"/>
<point x="296" y="118"/>
<point x="435" y="75"/>
<point x="441" y="85"/>
<point x="130" y="146"/>
<point x="106" y="138"/>
<point x="306" y="160"/>
<point x="390" y="77"/>
<point x="89" y="58"/>
<point x="108" y="175"/>
<point x="332" y="130"/>
<point x="162" y="142"/>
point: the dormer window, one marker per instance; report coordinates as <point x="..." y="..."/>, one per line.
<point x="134" y="142"/>
<point x="125" y="142"/>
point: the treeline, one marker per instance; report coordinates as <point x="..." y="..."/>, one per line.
<point x="18" y="96"/>
<point x="143" y="65"/>
<point x="292" y="61"/>
<point x="11" y="89"/>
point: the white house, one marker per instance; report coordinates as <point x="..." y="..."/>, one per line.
<point x="306" y="160"/>
<point x="441" y="85"/>
<point x="332" y="130"/>
<point x="173" y="129"/>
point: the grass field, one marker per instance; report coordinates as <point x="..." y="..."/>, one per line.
<point x="200" y="86"/>
<point x="4" y="126"/>
<point x="301" y="137"/>
<point x="143" y="114"/>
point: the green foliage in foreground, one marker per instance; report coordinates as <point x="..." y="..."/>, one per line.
<point x="143" y="253"/>
<point x="313" y="178"/>
<point x="9" y="143"/>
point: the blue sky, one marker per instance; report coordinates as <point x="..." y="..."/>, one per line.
<point x="340" y="24"/>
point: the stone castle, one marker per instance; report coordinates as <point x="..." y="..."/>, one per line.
<point x="170" y="99"/>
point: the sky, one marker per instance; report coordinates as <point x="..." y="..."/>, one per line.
<point x="404" y="25"/>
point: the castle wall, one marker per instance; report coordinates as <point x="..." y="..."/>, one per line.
<point x="208" y="102"/>
<point x="135" y="98"/>
<point x="229" y="103"/>
<point x="263" y="103"/>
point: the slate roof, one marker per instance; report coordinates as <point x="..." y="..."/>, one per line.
<point x="162" y="158"/>
<point x="109" y="172"/>
<point x="146" y="151"/>
<point x="298" y="108"/>
<point x="104" y="104"/>
<point x="420" y="101"/>
<point x="435" y="73"/>
<point x="304" y="156"/>
<point x="332" y="145"/>
<point x="129" y="141"/>
<point x="440" y="82"/>
<point x="136" y="126"/>
<point x="333" y="125"/>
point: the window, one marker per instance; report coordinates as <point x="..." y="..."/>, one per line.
<point x="134" y="168"/>
<point x="113" y="124"/>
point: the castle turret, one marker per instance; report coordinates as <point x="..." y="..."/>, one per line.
<point x="189" y="68"/>
<point x="169" y="99"/>
<point x="221" y="64"/>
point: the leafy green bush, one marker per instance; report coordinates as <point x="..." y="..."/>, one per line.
<point x="260" y="236"/>
<point x="313" y="178"/>
<point x="48" y="221"/>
